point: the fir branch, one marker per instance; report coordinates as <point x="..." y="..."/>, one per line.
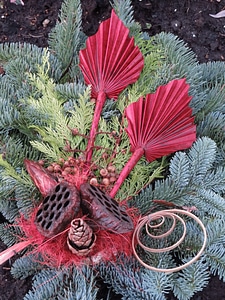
<point x="70" y="92"/>
<point x="81" y="285"/>
<point x="215" y="180"/>
<point x="9" y="116"/>
<point x="63" y="283"/>
<point x="124" y="11"/>
<point x="26" y="265"/>
<point x="9" y="171"/>
<point x="206" y="201"/>
<point x="17" y="147"/>
<point x="179" y="169"/>
<point x="191" y="280"/>
<point x="215" y="253"/>
<point x="201" y="157"/>
<point x="10" y="51"/>
<point x="133" y="282"/>
<point x="186" y="183"/>
<point x="18" y="58"/>
<point x="9" y="209"/>
<point x="215" y="230"/>
<point x="66" y="38"/>
<point x="212" y="73"/>
<point x="177" y="52"/>
<point x="216" y="260"/>
<point x="9" y="234"/>
<point x="212" y="126"/>
<point x="16" y="190"/>
<point x="215" y="100"/>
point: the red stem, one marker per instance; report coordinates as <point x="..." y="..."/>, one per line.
<point x="136" y="156"/>
<point x="98" y="110"/>
<point x="13" y="250"/>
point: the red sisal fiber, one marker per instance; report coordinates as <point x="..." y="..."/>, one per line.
<point x="55" y="251"/>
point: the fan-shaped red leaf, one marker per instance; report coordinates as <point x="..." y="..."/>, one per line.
<point x="159" y="125"/>
<point x="111" y="61"/>
<point x="162" y="123"/>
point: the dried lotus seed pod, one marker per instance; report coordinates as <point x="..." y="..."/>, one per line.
<point x="58" y="209"/>
<point x="104" y="210"/>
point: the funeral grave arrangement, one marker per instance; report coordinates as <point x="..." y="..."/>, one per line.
<point x="111" y="161"/>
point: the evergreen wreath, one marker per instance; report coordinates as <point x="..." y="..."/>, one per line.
<point x="45" y="121"/>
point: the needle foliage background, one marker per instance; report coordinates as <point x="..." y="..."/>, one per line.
<point x="43" y="97"/>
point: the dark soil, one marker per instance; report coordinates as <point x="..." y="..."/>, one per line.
<point x="189" y="19"/>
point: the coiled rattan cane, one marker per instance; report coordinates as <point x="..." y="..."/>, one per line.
<point x="161" y="217"/>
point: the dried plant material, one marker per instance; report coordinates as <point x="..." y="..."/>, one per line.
<point x="158" y="125"/>
<point x="10" y="252"/>
<point x="147" y="222"/>
<point x="220" y="14"/>
<point x="81" y="238"/>
<point x="109" y="63"/>
<point x="43" y="180"/>
<point x="58" y="209"/>
<point x="104" y="211"/>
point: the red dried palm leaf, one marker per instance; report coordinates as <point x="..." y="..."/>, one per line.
<point x="110" y="62"/>
<point x="159" y="125"/>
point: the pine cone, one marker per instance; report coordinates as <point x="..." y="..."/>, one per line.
<point x="81" y="238"/>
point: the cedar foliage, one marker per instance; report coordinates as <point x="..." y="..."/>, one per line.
<point x="43" y="95"/>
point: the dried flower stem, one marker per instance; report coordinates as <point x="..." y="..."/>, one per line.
<point x="136" y="156"/>
<point x="97" y="114"/>
<point x="10" y="252"/>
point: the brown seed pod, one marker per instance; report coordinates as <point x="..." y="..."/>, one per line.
<point x="104" y="210"/>
<point x="57" y="210"/>
<point x="81" y="238"/>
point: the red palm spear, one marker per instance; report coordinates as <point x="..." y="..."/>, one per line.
<point x="158" y="125"/>
<point x="41" y="178"/>
<point x="110" y="62"/>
